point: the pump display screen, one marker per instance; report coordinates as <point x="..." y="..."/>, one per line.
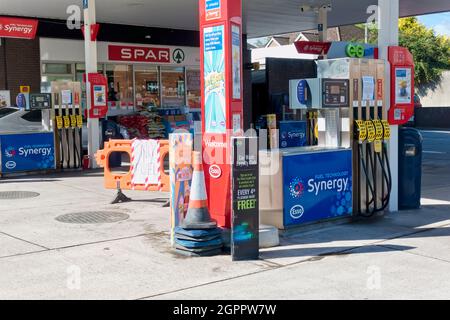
<point x="40" y="101"/>
<point x="335" y="93"/>
<point x="334" y="89"/>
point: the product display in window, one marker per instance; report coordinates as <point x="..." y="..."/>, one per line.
<point x="147" y="87"/>
<point x="173" y="87"/>
<point x="143" y="125"/>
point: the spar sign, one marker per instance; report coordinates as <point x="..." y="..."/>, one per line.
<point x="18" y="28"/>
<point x="150" y="54"/>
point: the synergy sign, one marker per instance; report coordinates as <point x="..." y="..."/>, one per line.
<point x="314" y="191"/>
<point x="18" y="28"/>
<point x="27" y="152"/>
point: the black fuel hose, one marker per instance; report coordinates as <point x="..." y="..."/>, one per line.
<point x="369" y="213"/>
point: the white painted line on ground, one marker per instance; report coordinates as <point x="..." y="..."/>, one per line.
<point x="428" y="201"/>
<point x="435" y="131"/>
<point x="435" y="152"/>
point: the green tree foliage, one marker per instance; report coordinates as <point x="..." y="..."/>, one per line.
<point x="431" y="52"/>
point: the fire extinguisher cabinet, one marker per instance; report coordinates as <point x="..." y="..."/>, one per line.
<point x="410" y="168"/>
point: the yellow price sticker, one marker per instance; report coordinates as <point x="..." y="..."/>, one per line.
<point x="379" y="130"/>
<point x="378" y="146"/>
<point x="73" y="121"/>
<point x="362" y="130"/>
<point x="66" y="122"/>
<point x="59" y="122"/>
<point x="387" y="130"/>
<point x="80" y="121"/>
<point x="371" y="132"/>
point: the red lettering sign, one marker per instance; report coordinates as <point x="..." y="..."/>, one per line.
<point x="18" y="28"/>
<point x="312" y="47"/>
<point x="380" y="93"/>
<point x="139" y="54"/>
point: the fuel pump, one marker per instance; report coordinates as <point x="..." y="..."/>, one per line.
<point x="371" y="134"/>
<point x="368" y="127"/>
<point x="69" y="122"/>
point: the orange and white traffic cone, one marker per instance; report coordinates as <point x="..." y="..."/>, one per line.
<point x="198" y="216"/>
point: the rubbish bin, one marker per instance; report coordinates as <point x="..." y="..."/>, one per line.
<point x="111" y="131"/>
<point x="410" y="168"/>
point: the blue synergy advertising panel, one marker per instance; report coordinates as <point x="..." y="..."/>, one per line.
<point x="292" y="134"/>
<point x="317" y="186"/>
<point x="27" y="152"/>
<point x="214" y="69"/>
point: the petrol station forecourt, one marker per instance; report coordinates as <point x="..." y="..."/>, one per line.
<point x="333" y="200"/>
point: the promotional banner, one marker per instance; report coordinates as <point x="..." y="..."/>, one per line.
<point x="18" y="28"/>
<point x="180" y="162"/>
<point x="402" y="85"/>
<point x="292" y="134"/>
<point x="5" y="98"/>
<point x="245" y="198"/>
<point x="214" y="75"/>
<point x="317" y="186"/>
<point x="236" y="60"/>
<point x="27" y="152"/>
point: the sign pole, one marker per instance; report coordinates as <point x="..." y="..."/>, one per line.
<point x="388" y="36"/>
<point x="222" y="98"/>
<point x="90" y="48"/>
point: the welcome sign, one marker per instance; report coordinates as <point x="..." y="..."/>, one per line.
<point x="27" y="152"/>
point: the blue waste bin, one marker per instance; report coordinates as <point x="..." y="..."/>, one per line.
<point x="410" y="168"/>
<point x="111" y="131"/>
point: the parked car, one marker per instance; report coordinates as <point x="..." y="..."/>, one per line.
<point x="7" y="110"/>
<point x="14" y="120"/>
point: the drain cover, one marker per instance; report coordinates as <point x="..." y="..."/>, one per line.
<point x="92" y="217"/>
<point x="11" y="195"/>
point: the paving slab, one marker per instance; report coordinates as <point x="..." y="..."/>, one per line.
<point x="10" y="246"/>
<point x="434" y="243"/>
<point x="124" y="269"/>
<point x="38" y="225"/>
<point x="371" y="272"/>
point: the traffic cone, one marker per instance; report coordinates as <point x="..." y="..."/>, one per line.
<point x="198" y="216"/>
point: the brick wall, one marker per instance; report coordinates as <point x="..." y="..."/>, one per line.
<point x="22" y="65"/>
<point x="2" y="65"/>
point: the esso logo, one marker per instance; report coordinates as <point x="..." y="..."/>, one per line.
<point x="215" y="171"/>
<point x="297" y="212"/>
<point x="10" y="165"/>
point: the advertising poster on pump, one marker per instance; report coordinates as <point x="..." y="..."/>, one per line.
<point x="27" y="152"/>
<point x="315" y="190"/>
<point x="236" y="54"/>
<point x="214" y="75"/>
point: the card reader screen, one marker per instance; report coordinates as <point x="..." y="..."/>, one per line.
<point x="335" y="89"/>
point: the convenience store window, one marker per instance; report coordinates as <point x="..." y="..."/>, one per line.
<point x="55" y="72"/>
<point x="173" y="87"/>
<point x="146" y="80"/>
<point x="57" y="68"/>
<point x="120" y="83"/>
<point x="193" y="92"/>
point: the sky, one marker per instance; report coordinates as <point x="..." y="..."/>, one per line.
<point x="440" y="22"/>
